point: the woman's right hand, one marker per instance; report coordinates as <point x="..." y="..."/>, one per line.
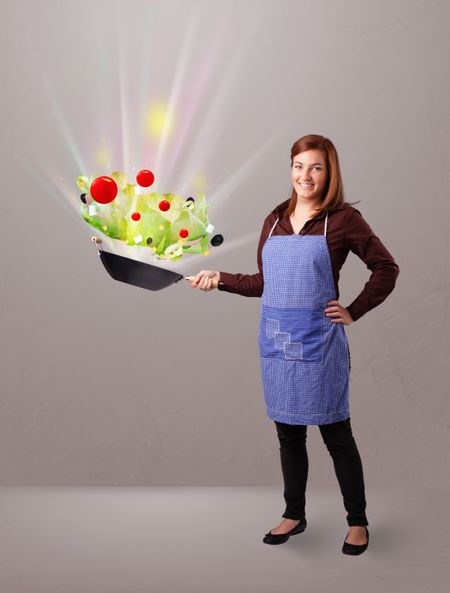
<point x="205" y="280"/>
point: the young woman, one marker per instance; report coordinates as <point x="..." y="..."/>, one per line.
<point x="304" y="352"/>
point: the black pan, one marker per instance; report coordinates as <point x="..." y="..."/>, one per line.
<point x="135" y="272"/>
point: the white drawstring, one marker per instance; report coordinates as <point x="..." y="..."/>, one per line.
<point x="273" y="228"/>
<point x="325" y="230"/>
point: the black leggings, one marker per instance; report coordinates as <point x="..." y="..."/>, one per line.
<point x="347" y="465"/>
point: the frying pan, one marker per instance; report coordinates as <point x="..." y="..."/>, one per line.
<point x="135" y="272"/>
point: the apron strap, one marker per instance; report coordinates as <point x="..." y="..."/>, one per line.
<point x="273" y="228"/>
<point x="326" y="222"/>
<point x="325" y="230"/>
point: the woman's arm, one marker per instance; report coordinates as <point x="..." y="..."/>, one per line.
<point x="250" y="285"/>
<point x="362" y="241"/>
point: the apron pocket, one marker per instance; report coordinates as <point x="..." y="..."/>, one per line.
<point x="293" y="335"/>
<point x="313" y="341"/>
<point x="293" y="350"/>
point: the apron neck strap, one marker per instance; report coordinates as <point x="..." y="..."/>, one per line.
<point x="271" y="231"/>
<point x="324" y="232"/>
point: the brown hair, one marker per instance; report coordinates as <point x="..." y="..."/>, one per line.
<point x="334" y="189"/>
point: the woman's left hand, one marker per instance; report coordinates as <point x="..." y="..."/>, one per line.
<point x="338" y="312"/>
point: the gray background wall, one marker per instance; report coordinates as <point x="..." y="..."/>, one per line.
<point x="105" y="384"/>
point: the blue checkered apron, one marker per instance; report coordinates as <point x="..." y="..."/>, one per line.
<point x="304" y="356"/>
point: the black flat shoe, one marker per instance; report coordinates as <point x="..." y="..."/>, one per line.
<point x="355" y="549"/>
<point x="280" y="538"/>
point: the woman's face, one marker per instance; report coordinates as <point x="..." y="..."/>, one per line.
<point x="309" y="175"/>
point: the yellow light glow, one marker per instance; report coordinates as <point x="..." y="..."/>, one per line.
<point x="102" y="155"/>
<point x="159" y="120"/>
<point x="206" y="252"/>
<point x="199" y="182"/>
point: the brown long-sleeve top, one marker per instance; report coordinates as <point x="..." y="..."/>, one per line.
<point x="346" y="231"/>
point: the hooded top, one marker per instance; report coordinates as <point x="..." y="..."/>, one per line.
<point x="347" y="231"/>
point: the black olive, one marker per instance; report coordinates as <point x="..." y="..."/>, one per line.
<point x="217" y="240"/>
<point x="83" y="198"/>
<point x="149" y="241"/>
